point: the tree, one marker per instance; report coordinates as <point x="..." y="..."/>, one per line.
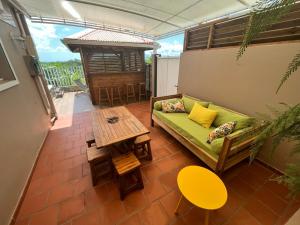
<point x="284" y="125"/>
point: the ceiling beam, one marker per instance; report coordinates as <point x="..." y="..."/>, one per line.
<point x="243" y="2"/>
<point x="123" y="10"/>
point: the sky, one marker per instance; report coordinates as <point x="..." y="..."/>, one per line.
<point x="47" y="38"/>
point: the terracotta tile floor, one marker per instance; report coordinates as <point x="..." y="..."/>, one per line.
<point x="61" y="192"/>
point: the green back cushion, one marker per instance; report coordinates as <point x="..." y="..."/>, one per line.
<point x="157" y="105"/>
<point x="190" y="101"/>
<point x="225" y="116"/>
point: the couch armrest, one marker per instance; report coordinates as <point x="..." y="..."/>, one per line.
<point x="155" y="99"/>
<point x="235" y="143"/>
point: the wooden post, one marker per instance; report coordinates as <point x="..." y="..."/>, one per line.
<point x="210" y="35"/>
<point x="223" y="155"/>
<point x="185" y="40"/>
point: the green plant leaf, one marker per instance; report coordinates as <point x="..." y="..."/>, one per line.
<point x="293" y="66"/>
<point x="263" y="15"/>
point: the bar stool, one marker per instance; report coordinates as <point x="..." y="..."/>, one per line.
<point x="130" y="92"/>
<point x="142" y="148"/>
<point x="104" y="95"/>
<point x="115" y="94"/>
<point x="142" y="90"/>
<point x="128" y="169"/>
<point x="100" y="161"/>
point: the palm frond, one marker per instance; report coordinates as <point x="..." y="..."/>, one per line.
<point x="263" y="15"/>
<point x="291" y="179"/>
<point x="293" y="66"/>
<point x="285" y="126"/>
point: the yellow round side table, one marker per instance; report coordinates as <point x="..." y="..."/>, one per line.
<point x="202" y="188"/>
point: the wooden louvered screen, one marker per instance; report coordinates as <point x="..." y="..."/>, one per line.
<point x="230" y="32"/>
<point x="133" y="61"/>
<point x="106" y="61"/>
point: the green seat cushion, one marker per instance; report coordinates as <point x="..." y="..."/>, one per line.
<point x="189" y="102"/>
<point x="189" y="129"/>
<point x="225" y="115"/>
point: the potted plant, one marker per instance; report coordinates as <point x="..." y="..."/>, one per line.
<point x="285" y="125"/>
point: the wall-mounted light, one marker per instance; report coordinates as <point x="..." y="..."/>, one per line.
<point x="70" y="9"/>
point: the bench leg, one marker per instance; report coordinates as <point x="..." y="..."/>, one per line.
<point x="94" y="174"/>
<point x="149" y="151"/>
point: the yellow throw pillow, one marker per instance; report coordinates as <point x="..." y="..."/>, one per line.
<point x="204" y="116"/>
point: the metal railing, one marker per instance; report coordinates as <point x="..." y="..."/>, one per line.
<point x="63" y="76"/>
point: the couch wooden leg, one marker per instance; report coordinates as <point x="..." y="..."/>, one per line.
<point x="152" y="123"/>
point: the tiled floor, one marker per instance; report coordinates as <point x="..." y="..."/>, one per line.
<point x="73" y="102"/>
<point x="61" y="192"/>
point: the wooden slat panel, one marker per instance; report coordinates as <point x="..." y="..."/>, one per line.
<point x="230" y="32"/>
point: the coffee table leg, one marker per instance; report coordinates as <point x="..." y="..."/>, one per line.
<point x="178" y="204"/>
<point x="206" y="217"/>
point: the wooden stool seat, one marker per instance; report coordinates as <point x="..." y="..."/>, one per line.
<point x="90" y="139"/>
<point x="128" y="166"/>
<point x="130" y="92"/>
<point x="100" y="162"/>
<point x="142" y="147"/>
<point x="142" y="139"/>
<point x="142" y="91"/>
<point x="125" y="163"/>
<point x="104" y="95"/>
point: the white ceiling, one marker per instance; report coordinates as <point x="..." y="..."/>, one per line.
<point x="152" y="17"/>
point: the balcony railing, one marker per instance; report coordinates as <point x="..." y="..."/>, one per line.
<point x="63" y="76"/>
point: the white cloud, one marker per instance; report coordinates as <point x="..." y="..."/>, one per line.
<point x="42" y="35"/>
<point x="66" y="29"/>
<point x="170" y="49"/>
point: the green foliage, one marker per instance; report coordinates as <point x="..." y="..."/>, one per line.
<point x="283" y="125"/>
<point x="66" y="72"/>
<point x="70" y="63"/>
<point x="263" y="15"/>
<point x="148" y="60"/>
<point x="293" y="66"/>
<point x="291" y="179"/>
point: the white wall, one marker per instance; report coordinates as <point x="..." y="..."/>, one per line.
<point x="24" y="124"/>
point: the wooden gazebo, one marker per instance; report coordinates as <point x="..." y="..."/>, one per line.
<point x="110" y="58"/>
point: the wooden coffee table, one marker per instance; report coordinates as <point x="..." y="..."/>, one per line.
<point x="128" y="126"/>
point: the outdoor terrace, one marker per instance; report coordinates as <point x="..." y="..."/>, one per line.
<point x="61" y="191"/>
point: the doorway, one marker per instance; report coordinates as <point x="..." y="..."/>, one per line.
<point x="167" y="75"/>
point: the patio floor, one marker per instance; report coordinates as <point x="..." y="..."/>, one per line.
<point x="61" y="191"/>
<point x="73" y="102"/>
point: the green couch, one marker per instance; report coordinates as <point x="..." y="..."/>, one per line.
<point x="222" y="153"/>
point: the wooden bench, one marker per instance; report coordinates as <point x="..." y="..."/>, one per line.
<point x="90" y="139"/>
<point x="100" y="162"/>
<point x="142" y="148"/>
<point x="127" y="167"/>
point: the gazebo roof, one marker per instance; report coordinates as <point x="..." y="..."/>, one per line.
<point x="93" y="37"/>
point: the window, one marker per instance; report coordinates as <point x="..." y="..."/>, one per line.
<point x="7" y="75"/>
<point x="114" y="61"/>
